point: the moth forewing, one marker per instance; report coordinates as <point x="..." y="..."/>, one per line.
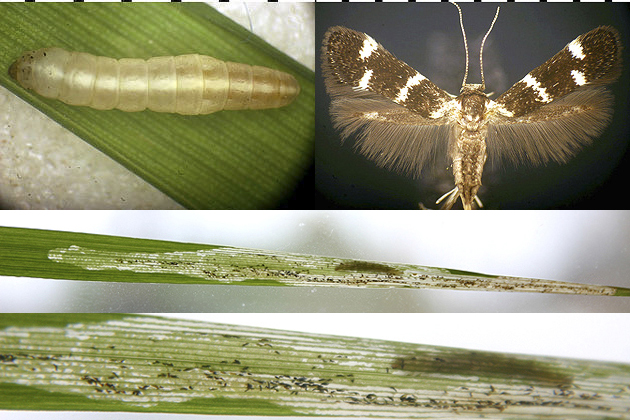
<point x="187" y="84"/>
<point x="386" y="110"/>
<point x="563" y="104"/>
<point x="401" y="118"/>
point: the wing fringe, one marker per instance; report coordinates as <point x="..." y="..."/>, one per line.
<point x="387" y="133"/>
<point x="555" y="132"/>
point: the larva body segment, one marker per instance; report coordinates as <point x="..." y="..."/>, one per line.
<point x="186" y="84"/>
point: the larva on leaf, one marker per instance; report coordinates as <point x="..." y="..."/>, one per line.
<point x="186" y="84"/>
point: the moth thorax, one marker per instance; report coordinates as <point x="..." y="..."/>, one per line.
<point x="472" y="103"/>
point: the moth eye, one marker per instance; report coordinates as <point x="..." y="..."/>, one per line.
<point x="186" y="84"/>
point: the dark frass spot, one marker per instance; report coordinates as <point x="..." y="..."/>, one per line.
<point x="369" y="267"/>
<point x="486" y="365"/>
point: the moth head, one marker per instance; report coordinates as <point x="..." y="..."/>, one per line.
<point x="472" y="87"/>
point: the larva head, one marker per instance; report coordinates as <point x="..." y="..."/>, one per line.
<point x="13" y="70"/>
<point x="21" y="69"/>
<point x="40" y="70"/>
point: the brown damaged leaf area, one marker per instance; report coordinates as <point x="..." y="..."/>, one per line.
<point x="368" y="267"/>
<point x="487" y="366"/>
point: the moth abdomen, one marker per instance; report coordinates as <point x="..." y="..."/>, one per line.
<point x="186" y="84"/>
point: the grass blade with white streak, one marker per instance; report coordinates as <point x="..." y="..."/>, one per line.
<point x="80" y="256"/>
<point x="230" y="159"/>
<point x="136" y="363"/>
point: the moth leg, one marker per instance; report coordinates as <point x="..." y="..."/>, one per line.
<point x="452" y="195"/>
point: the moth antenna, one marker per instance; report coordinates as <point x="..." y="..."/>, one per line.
<point x="483" y="41"/>
<point x="249" y="18"/>
<point x="461" y="24"/>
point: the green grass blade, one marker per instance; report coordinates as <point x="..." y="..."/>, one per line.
<point x="80" y="256"/>
<point x="230" y="159"/>
<point x="102" y="362"/>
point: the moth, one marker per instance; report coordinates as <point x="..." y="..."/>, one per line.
<point x="401" y="119"/>
<point x="186" y="84"/>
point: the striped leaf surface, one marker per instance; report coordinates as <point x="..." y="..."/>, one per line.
<point x="80" y="256"/>
<point x="138" y="363"/>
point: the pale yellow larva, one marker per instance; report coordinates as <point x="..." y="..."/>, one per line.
<point x="186" y="84"/>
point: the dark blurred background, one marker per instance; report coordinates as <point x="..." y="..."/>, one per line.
<point x="428" y="38"/>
